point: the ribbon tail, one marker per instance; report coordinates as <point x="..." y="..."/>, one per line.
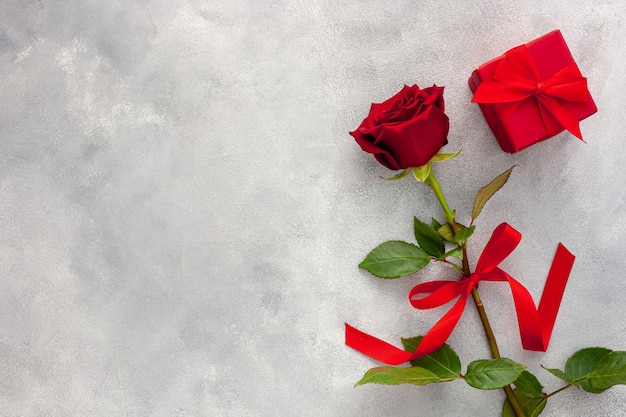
<point x="439" y="333"/>
<point x="536" y="325"/>
<point x="569" y="122"/>
<point x="530" y="327"/>
<point x="375" y="348"/>
<point x="554" y="290"/>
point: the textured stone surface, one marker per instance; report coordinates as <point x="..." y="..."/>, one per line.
<point x="182" y="210"/>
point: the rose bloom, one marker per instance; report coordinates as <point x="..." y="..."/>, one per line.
<point x="407" y="130"/>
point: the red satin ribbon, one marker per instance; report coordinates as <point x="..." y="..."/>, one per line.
<point x="535" y="325"/>
<point x="516" y="80"/>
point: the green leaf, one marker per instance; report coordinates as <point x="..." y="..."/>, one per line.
<point x="609" y="371"/>
<point x="463" y="233"/>
<point x="391" y="375"/>
<point x="529" y="385"/>
<point x="532" y="407"/>
<point x="444" y="362"/>
<point x="580" y="365"/>
<point x="440" y="157"/>
<point x="445" y="232"/>
<point x="399" y="176"/>
<point x="556" y="372"/>
<point x="485" y="193"/>
<point x="456" y="252"/>
<point x="492" y="373"/>
<point x="410" y="343"/>
<point x="428" y="238"/>
<point x="421" y="173"/>
<point x="435" y="224"/>
<point x="395" y="259"/>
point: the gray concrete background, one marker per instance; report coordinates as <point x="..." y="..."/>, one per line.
<point x="182" y="210"/>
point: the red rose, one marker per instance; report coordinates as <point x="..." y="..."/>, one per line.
<point x="407" y="130"/>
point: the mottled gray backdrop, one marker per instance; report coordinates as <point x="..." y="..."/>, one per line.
<point x="182" y="210"/>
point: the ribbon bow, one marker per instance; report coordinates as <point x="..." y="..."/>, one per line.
<point x="516" y="80"/>
<point x="535" y="325"/>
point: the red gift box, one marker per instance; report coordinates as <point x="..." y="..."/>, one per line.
<point x="532" y="93"/>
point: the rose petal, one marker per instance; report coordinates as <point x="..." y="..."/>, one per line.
<point x="366" y="143"/>
<point x="417" y="140"/>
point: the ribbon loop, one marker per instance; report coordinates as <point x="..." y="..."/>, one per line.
<point x="502" y="243"/>
<point x="441" y="292"/>
<point x="535" y="325"/>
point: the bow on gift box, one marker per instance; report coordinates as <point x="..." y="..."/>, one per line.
<point x="535" y="325"/>
<point x="517" y="82"/>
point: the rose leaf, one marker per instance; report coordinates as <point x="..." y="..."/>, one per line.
<point x="395" y="259"/>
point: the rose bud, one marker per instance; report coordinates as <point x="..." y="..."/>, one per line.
<point x="406" y="130"/>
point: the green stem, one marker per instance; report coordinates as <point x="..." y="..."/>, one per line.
<point x="455" y="266"/>
<point x="557" y="391"/>
<point x="434" y="184"/>
<point x="545" y="398"/>
<point x="491" y="338"/>
<point x="431" y="180"/>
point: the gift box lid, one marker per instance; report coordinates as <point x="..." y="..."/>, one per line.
<point x="528" y="124"/>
